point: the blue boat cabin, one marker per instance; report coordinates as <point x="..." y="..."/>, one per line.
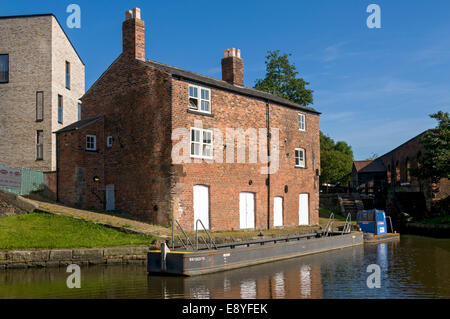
<point x="372" y="221"/>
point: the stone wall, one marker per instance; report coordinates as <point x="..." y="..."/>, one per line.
<point x="82" y="257"/>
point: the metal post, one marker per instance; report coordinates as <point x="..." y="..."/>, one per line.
<point x="173" y="235"/>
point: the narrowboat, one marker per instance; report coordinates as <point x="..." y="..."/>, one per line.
<point x="194" y="260"/>
<point x="373" y="223"/>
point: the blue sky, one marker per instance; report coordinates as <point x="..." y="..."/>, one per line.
<point x="375" y="87"/>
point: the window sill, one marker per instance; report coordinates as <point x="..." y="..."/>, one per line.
<point x="301" y="167"/>
<point x="40" y="120"/>
<point x="201" y="157"/>
<point x="91" y="151"/>
<point x="39" y="159"/>
<point x="199" y="113"/>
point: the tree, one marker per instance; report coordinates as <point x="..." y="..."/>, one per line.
<point x="336" y="161"/>
<point x="434" y="163"/>
<point x="281" y="79"/>
<point x="372" y="157"/>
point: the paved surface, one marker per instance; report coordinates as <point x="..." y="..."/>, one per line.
<point x="104" y="219"/>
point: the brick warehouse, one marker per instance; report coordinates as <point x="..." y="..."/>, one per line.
<point x="119" y="156"/>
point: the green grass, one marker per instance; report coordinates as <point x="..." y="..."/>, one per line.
<point x="324" y="215"/>
<point x="437" y="220"/>
<point x="40" y="230"/>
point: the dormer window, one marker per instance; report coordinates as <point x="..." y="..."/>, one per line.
<point x="199" y="99"/>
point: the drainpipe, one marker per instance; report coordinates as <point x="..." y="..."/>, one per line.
<point x="57" y="168"/>
<point x="268" y="162"/>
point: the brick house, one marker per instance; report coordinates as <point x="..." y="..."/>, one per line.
<point x="41" y="82"/>
<point x="390" y="172"/>
<point x="125" y="152"/>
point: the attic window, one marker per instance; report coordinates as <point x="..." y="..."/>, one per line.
<point x="199" y="99"/>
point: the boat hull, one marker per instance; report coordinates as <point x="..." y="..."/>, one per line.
<point x="191" y="263"/>
<point x="373" y="239"/>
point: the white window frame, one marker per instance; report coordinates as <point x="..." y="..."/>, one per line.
<point x="201" y="143"/>
<point x="94" y="142"/>
<point x="109" y="141"/>
<point x="301" y="124"/>
<point x="199" y="98"/>
<point x="301" y="164"/>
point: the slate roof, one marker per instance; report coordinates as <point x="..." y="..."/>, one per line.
<point x="369" y="166"/>
<point x="78" y="125"/>
<point x="184" y="74"/>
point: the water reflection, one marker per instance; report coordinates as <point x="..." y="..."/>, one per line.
<point x="413" y="267"/>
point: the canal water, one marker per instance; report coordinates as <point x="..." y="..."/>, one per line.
<point x="414" y="267"/>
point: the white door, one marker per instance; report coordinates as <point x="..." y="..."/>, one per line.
<point x="110" y="201"/>
<point x="247" y="210"/>
<point x="303" y="209"/>
<point x="201" y="205"/>
<point x="278" y="211"/>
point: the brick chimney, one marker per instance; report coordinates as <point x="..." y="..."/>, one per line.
<point x="133" y="33"/>
<point x="233" y="67"/>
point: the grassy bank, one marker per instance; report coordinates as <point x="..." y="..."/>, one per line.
<point x="437" y="220"/>
<point x="51" y="231"/>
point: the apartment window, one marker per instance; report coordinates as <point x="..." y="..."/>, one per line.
<point x="300" y="158"/>
<point x="91" y="142"/>
<point x="60" y="109"/>
<point x="301" y="122"/>
<point x="68" y="75"/>
<point x="39" y="106"/>
<point x="40" y="145"/>
<point x="4" y="68"/>
<point x="199" y="99"/>
<point x="201" y="143"/>
<point x="79" y="111"/>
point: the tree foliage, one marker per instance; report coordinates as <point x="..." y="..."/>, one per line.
<point x="434" y="163"/>
<point x="281" y="79"/>
<point x="336" y="161"/>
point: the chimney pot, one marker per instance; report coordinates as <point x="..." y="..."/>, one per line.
<point x="233" y="67"/>
<point x="133" y="33"/>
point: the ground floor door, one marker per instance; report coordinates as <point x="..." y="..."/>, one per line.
<point x="201" y="205"/>
<point x="247" y="210"/>
<point x="110" y="200"/>
<point x="303" y="209"/>
<point x="278" y="211"/>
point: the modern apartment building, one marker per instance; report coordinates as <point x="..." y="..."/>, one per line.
<point x="41" y="83"/>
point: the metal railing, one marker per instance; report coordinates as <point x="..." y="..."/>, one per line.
<point x="347" y="225"/>
<point x="390" y="222"/>
<point x="329" y="225"/>
<point x="207" y="233"/>
<point x="188" y="241"/>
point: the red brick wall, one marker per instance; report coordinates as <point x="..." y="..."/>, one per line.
<point x="77" y="167"/>
<point x="50" y="185"/>
<point x="227" y="180"/>
<point x="407" y="151"/>
<point x="134" y="100"/>
<point x="136" y="103"/>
